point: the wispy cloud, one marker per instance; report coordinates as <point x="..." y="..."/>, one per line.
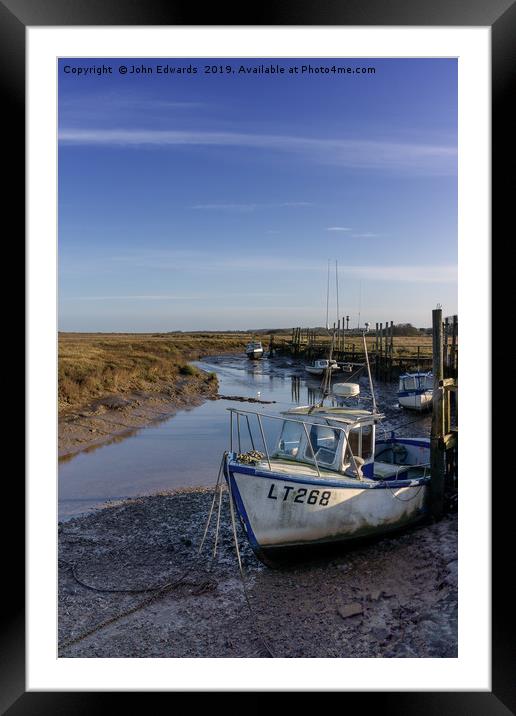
<point x="296" y="203"/>
<point x="338" y="228"/>
<point x="136" y="297"/>
<point x="225" y="207"/>
<point x="164" y="297"/>
<point x="367" y="235"/>
<point x="202" y="262"/>
<point x="356" y="154"/>
<point x="248" y="207"/>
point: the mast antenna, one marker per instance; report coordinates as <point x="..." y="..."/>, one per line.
<point x="328" y="297"/>
<point x="337" y="288"/>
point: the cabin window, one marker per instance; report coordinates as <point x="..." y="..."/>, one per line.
<point x="409" y="384"/>
<point x="367" y="442"/>
<point x="324" y="442"/>
<point x="290" y="438"/>
<point x="360" y="443"/>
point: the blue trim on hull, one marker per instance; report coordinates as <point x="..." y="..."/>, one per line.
<point x="267" y="554"/>
<point x="241" y="511"/>
<point x="357" y="485"/>
<point x="421" y="442"/>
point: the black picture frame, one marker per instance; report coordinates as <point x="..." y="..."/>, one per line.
<point x="500" y="16"/>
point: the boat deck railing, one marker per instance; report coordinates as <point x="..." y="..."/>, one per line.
<point x="238" y="414"/>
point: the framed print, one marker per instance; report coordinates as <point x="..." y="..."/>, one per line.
<point x="216" y="210"/>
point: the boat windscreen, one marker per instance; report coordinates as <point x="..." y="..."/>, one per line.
<point x="324" y="442"/>
<point x="290" y="439"/>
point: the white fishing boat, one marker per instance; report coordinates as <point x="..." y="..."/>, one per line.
<point x="415" y="390"/>
<point x="254" y="350"/>
<point x="318" y="367"/>
<point x="323" y="476"/>
<point x="326" y="478"/>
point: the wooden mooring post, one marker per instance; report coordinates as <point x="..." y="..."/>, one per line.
<point x="443" y="441"/>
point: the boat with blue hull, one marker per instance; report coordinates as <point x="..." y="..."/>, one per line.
<point x="326" y="478"/>
<point x="415" y="390"/>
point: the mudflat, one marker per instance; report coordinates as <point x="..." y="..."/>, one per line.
<point x="394" y="597"/>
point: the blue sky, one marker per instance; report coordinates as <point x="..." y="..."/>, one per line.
<point x="214" y="201"/>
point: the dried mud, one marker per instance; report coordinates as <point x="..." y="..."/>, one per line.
<point x="394" y="597"/>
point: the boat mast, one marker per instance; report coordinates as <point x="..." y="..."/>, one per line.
<point x="328" y="297"/>
<point x="326" y="381"/>
<point x="337" y="289"/>
<point x="368" y="366"/>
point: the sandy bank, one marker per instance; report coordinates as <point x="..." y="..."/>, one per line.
<point x="393" y="598"/>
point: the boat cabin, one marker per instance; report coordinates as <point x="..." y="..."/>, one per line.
<point x="324" y="363"/>
<point x="340" y="440"/>
<point x="411" y="382"/>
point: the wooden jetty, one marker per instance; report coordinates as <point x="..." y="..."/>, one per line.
<point x="386" y="356"/>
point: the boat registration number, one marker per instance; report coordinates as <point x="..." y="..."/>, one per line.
<point x="301" y="495"/>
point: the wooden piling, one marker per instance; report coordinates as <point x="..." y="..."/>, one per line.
<point x="380" y="355"/>
<point x="437" y="455"/>
<point x="454" y="346"/>
<point x="376" y="356"/>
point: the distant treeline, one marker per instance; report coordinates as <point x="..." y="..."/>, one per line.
<point x="399" y="329"/>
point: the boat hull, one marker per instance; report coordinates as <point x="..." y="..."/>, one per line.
<point x="318" y="371"/>
<point x="420" y="400"/>
<point x="280" y="512"/>
<point x="255" y="355"/>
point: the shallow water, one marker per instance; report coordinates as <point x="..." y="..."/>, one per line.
<point x="185" y="450"/>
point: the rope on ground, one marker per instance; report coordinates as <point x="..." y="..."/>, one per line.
<point x="158" y="591"/>
<point x="161" y="592"/>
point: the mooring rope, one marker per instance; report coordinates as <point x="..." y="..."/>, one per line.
<point x="254" y="620"/>
<point x="160" y="591"/>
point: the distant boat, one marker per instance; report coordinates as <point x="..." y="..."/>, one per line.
<point x="415" y="390"/>
<point x="254" y="350"/>
<point x="319" y="366"/>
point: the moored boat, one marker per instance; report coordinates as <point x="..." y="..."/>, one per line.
<point x="326" y="478"/>
<point x="318" y="367"/>
<point x="254" y="350"/>
<point x="415" y="390"/>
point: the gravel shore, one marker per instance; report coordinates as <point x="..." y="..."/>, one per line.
<point x="395" y="597"/>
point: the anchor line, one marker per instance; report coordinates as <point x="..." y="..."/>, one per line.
<point x="254" y="620"/>
<point x="160" y="591"/>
